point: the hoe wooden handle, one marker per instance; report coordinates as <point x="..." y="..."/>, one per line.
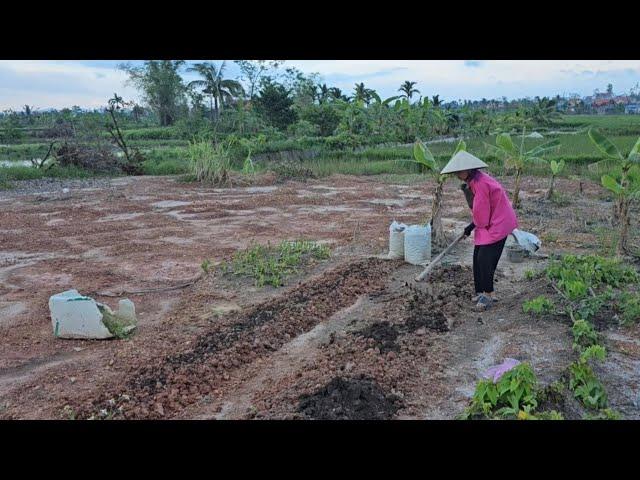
<point x="435" y="261"/>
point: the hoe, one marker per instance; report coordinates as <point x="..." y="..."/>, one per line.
<point x="435" y="261"/>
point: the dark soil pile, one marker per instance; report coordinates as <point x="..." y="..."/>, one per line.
<point x="443" y="295"/>
<point x="384" y="335"/>
<point x="349" y="399"/>
<point x="177" y="380"/>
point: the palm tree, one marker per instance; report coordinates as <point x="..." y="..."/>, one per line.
<point x="436" y="100"/>
<point x="323" y="92"/>
<point x="408" y="90"/>
<point x="363" y="93"/>
<point x="544" y="111"/>
<point x="214" y="85"/>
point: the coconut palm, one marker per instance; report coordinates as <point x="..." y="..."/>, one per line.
<point x="323" y="92"/>
<point x="543" y="112"/>
<point x="362" y="93"/>
<point x="407" y="89"/>
<point x="214" y="85"/>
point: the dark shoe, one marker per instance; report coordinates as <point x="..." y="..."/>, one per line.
<point x="484" y="303"/>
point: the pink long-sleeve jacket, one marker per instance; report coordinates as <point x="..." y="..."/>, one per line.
<point x="493" y="214"/>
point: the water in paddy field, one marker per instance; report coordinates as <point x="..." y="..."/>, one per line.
<point x="16" y="163"/>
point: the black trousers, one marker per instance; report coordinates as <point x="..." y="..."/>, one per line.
<point x="485" y="261"/>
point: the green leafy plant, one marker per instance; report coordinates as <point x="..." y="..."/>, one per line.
<point x="530" y="274"/>
<point x="517" y="157"/>
<point x="550" y="415"/>
<point x="575" y="274"/>
<point x="604" y="414"/>
<point x="206" y="266"/>
<point x="427" y="162"/>
<point x="629" y="307"/>
<point x="514" y="392"/>
<point x="625" y="190"/>
<point x="584" y="335"/>
<point x="556" y="168"/>
<point x="539" y="305"/>
<point x="583" y="382"/>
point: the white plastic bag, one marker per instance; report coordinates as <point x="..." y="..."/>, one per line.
<point x="417" y="244"/>
<point x="527" y="240"/>
<point x="396" y="240"/>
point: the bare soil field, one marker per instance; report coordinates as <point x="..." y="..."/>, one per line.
<point x="345" y="338"/>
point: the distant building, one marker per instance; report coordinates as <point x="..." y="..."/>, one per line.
<point x="632" y="109"/>
<point x="603" y="106"/>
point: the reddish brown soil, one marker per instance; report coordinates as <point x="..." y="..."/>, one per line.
<point x="188" y="359"/>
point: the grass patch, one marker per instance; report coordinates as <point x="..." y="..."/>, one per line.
<point x="271" y="266"/>
<point x="539" y="305"/>
<point x="209" y="163"/>
<point x="17" y="173"/>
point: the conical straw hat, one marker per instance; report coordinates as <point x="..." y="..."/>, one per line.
<point x="463" y="161"/>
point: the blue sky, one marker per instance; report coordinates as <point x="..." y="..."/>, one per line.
<point x="89" y="83"/>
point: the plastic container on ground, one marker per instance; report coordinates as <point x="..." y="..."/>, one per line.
<point x="417" y="244"/>
<point x="516" y="254"/>
<point x="76" y="316"/>
<point x="396" y="240"/>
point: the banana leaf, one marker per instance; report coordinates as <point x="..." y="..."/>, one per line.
<point x="604" y="145"/>
<point x="544" y="148"/>
<point x="504" y="142"/>
<point x="610" y="184"/>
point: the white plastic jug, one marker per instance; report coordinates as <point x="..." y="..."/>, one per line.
<point x="417" y="244"/>
<point x="396" y="240"/>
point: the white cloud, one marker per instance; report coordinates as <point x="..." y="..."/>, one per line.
<point x="61" y="84"/>
<point x="493" y="78"/>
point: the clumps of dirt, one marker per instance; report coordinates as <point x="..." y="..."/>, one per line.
<point x="358" y="398"/>
<point x="432" y="305"/>
<point x="421" y="316"/>
<point x="384" y="335"/>
<point x="175" y="381"/>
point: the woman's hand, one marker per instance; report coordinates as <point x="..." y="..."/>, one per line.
<point x="468" y="229"/>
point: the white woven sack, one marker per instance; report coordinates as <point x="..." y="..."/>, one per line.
<point x="396" y="240"/>
<point x="417" y="244"/>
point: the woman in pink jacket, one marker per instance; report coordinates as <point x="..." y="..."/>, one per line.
<point x="493" y="221"/>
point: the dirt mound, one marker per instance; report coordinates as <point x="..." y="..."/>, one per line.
<point x="433" y="304"/>
<point x="177" y="380"/>
<point x="423" y="316"/>
<point x="349" y="399"/>
<point x="384" y="335"/>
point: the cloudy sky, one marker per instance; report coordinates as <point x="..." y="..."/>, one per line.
<point x="89" y="83"/>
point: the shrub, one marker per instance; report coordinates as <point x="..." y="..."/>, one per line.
<point x="629" y="307"/>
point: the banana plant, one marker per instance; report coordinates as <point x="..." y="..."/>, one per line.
<point x="626" y="190"/>
<point x="556" y="168"/>
<point x="380" y="108"/>
<point x="423" y="157"/>
<point x="517" y="157"/>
